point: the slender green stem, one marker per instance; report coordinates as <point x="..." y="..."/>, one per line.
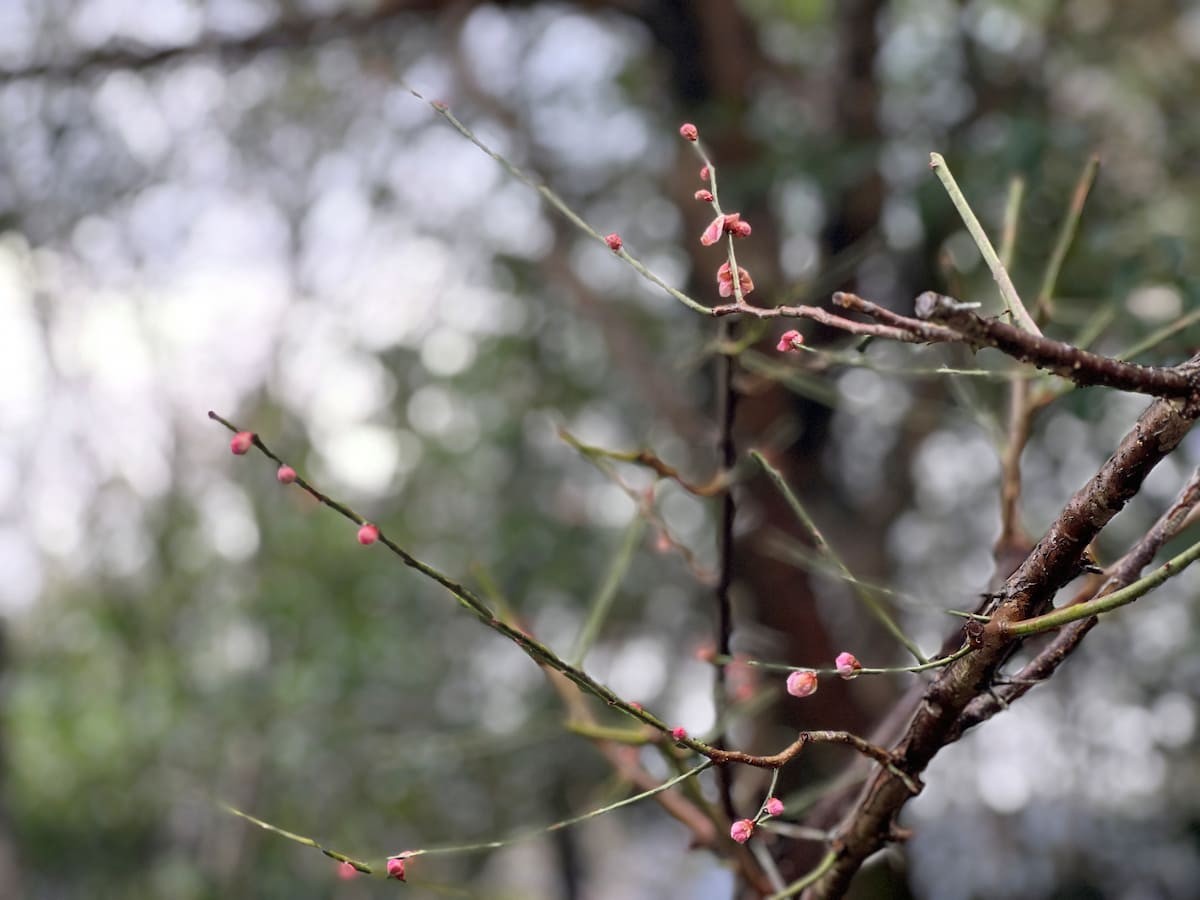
<point x="469" y="848"/>
<point x="300" y="839"/>
<point x="1012" y="300"/>
<point x="796" y="887"/>
<point x="872" y="604"/>
<point x="602" y="602"/>
<point x="557" y="826"/>
<point x="1153" y="340"/>
<point x="783" y="667"/>
<point x="1012" y="216"/>
<point x="559" y="204"/>
<point x="1108" y="602"/>
<point x="537" y="651"/>
<point x="1066" y="236"/>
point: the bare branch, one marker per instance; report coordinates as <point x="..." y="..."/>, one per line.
<point x="1052" y="563"/>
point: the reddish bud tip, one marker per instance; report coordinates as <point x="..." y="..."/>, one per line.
<point x="802" y="683"/>
<point x="440" y="105"/>
<point x="395" y="869"/>
<point x="347" y="872"/>
<point x="774" y="807"/>
<point x="741" y="830"/>
<point x="704" y="195"/>
<point x="689" y="132"/>
<point x="633" y="704"/>
<point x="680" y="734"/>
<point x="368" y="534"/>
<point x="286" y="475"/>
<point x="706" y="653"/>
<point x="790" y="340"/>
<point x="847" y="665"/>
<point x="614" y="241"/>
<point x="704" y="173"/>
<point x="242" y="442"/>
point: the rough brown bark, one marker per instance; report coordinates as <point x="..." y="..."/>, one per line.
<point x="1054" y="561"/>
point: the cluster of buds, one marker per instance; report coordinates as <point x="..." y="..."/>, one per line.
<point x="724" y="223"/>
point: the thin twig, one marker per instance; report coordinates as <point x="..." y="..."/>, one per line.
<point x="1043" y="307"/>
<point x="1012" y="301"/>
<point x="1107" y="603"/>
<point x="873" y="605"/>
<point x="1080" y="366"/>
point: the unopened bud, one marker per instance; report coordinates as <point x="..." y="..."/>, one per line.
<point x="741" y="830"/>
<point x="802" y="683"/>
<point x="847" y="665"/>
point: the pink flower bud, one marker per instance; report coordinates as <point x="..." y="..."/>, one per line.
<point x="286" y="474"/>
<point x="847" y="665"/>
<point x="633" y="704"/>
<point x="790" y="340"/>
<point x="242" y="442"/>
<point x="735" y="226"/>
<point x="741" y="830"/>
<point x="679" y="733"/>
<point x="802" y="683"/>
<point x="706" y="653"/>
<point x="712" y="233"/>
<point x="704" y="195"/>
<point x="368" y="534"/>
<point x="395" y="869"/>
<point x="725" y="281"/>
<point x="704" y="173"/>
<point x="347" y="872"/>
<point x="688" y="131"/>
<point x="774" y="807"/>
<point x="614" y="241"/>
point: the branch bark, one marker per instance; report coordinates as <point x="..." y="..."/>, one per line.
<point x="1053" y="562"/>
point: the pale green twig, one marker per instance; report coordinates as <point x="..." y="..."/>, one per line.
<point x="1077" y="611"/>
<point x="557" y="826"/>
<point x="1066" y="235"/>
<point x="796" y="887"/>
<point x="1012" y="301"/>
<point x="872" y="604"/>
<point x="559" y="204"/>
<point x="1153" y="340"/>
<point x="607" y="592"/>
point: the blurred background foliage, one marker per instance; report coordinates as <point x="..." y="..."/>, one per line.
<point x="238" y="205"/>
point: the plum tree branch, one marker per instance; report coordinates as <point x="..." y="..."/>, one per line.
<point x="1052" y="563"/>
